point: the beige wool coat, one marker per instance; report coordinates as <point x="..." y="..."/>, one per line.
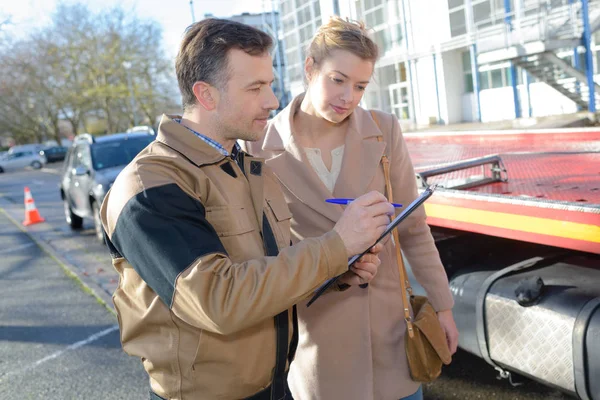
<point x="351" y="343"/>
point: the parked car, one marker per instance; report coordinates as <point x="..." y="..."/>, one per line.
<point x="54" y="153"/>
<point x="16" y="160"/>
<point x="90" y="168"/>
<point x="36" y="147"/>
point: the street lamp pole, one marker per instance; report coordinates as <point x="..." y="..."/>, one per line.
<point x="127" y="66"/>
<point x="192" y="10"/>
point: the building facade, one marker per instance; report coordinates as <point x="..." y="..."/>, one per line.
<point x="452" y="61"/>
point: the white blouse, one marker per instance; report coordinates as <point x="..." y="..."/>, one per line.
<point x="316" y="161"/>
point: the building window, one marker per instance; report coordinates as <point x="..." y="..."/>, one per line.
<point x="303" y="15"/>
<point x="288" y="24"/>
<point x="402" y="73"/>
<point x="467" y="72"/>
<point x="375" y="17"/>
<point x="494" y="76"/>
<point x="458" y="18"/>
<point x="390" y="92"/>
<point x="497" y="77"/>
<point x="384" y="40"/>
<point x="370" y="3"/>
<point x="300" y="20"/>
<point x="290" y="40"/>
<point x="482" y="13"/>
<point x="391" y="74"/>
<point x="286" y="7"/>
<point x="317" y="10"/>
<point x="484" y="80"/>
<point x="372" y="99"/>
<point x="387" y="75"/>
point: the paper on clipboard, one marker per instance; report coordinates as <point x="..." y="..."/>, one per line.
<point x="391" y="226"/>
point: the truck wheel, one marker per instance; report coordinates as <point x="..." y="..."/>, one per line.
<point x="98" y="222"/>
<point x="74" y="221"/>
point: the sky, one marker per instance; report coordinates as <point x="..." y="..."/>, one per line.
<point x="173" y="15"/>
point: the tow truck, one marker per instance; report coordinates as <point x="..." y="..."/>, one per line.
<point x="516" y="219"/>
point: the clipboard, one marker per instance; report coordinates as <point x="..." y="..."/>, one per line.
<point x="391" y="226"/>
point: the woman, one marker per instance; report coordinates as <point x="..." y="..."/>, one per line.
<point x="323" y="145"/>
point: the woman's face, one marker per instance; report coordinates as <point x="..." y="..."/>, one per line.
<point x="337" y="85"/>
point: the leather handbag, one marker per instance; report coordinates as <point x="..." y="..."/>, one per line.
<point x="426" y="346"/>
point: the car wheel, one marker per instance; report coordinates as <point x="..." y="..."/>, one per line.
<point x="98" y="222"/>
<point x="1" y="170"/>
<point x="36" y="165"/>
<point x="74" y="221"/>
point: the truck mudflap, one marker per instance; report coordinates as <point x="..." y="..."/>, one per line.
<point x="539" y="318"/>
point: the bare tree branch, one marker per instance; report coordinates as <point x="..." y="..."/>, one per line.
<point x="72" y="70"/>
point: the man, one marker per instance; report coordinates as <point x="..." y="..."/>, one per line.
<point x="199" y="233"/>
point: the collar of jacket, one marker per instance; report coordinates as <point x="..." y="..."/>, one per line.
<point x="179" y="138"/>
<point x="279" y="135"/>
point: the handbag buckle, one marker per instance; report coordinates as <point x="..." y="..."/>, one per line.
<point x="409" y="327"/>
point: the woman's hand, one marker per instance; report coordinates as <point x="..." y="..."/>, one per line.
<point x="364" y="270"/>
<point x="449" y="326"/>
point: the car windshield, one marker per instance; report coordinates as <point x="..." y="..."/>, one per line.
<point x="114" y="154"/>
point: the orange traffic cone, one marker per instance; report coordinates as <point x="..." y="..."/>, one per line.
<point x="32" y="216"/>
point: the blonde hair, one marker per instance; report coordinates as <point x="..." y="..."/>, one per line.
<point x="342" y="34"/>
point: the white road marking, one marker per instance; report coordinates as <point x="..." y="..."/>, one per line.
<point x="23" y="246"/>
<point x="74" y="346"/>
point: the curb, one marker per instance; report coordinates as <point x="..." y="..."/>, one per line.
<point x="87" y="284"/>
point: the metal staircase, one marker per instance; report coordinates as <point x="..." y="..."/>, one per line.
<point x="555" y="72"/>
<point x="531" y="42"/>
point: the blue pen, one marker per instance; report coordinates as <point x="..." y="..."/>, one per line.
<point x="345" y="202"/>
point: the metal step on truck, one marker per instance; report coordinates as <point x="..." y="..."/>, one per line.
<point x="516" y="219"/>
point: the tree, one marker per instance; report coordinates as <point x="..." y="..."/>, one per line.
<point x="72" y="70"/>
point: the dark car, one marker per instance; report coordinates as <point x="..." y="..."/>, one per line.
<point x="91" y="166"/>
<point x="54" y="153"/>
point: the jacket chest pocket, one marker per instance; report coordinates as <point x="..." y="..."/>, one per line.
<point x="281" y="214"/>
<point x="237" y="230"/>
<point x="230" y="220"/>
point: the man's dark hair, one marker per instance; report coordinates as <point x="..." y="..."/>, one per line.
<point x="203" y="53"/>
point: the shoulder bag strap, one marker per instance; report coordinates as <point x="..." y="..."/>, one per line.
<point x="404" y="282"/>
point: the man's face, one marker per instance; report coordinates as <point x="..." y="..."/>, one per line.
<point x="244" y="104"/>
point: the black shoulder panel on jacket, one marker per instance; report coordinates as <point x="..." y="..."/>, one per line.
<point x="160" y="232"/>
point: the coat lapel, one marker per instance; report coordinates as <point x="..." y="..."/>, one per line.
<point x="362" y="157"/>
<point x="301" y="181"/>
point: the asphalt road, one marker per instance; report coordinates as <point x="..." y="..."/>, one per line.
<point x="46" y="313"/>
<point x="56" y="341"/>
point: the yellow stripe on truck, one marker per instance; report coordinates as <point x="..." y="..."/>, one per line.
<point x="542" y="226"/>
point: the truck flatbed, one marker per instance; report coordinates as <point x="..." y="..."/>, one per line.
<point x="539" y="186"/>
